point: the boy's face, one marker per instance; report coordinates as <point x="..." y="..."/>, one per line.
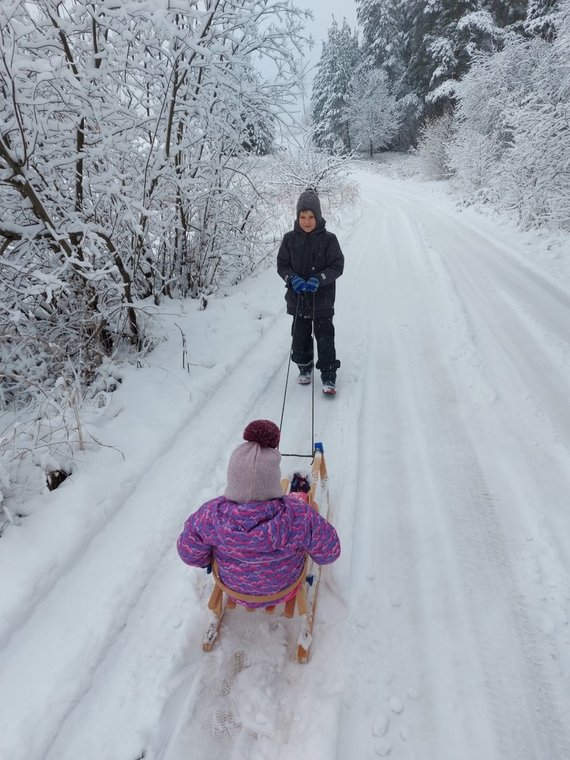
<point x="307" y="221"/>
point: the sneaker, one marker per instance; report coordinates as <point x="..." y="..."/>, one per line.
<point x="329" y="387"/>
<point x="304" y="377"/>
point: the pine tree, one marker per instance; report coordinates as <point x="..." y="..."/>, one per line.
<point x="507" y="13"/>
<point x="425" y="47"/>
<point x="541" y="18"/>
<point x="442" y="48"/>
<point x="339" y="58"/>
<point x="387" y="27"/>
<point x="388" y="31"/>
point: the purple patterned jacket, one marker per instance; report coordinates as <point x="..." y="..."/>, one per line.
<point x="259" y="546"/>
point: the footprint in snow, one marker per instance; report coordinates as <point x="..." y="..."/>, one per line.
<point x="383" y="748"/>
<point x="396" y="705"/>
<point x="380" y="725"/>
<point x="395" y="600"/>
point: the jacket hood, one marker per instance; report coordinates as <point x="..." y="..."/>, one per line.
<point x="256" y="526"/>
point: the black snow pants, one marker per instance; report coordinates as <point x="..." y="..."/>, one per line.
<point x="302" y="346"/>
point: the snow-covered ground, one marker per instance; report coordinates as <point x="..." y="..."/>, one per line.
<point x="442" y="632"/>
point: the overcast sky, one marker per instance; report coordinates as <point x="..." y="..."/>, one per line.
<point x="323" y="11"/>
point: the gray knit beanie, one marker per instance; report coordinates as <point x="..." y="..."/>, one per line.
<point x="254" y="472"/>
<point x="309" y="201"/>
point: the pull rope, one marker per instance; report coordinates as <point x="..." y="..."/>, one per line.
<point x="296" y="316"/>
<point x="313" y="378"/>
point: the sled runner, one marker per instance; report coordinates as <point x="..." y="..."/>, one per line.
<point x="300" y="596"/>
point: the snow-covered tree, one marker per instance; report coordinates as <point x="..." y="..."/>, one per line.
<point x="447" y="34"/>
<point x="541" y="18"/>
<point x="426" y="46"/>
<point x="506" y="13"/>
<point x="433" y="147"/>
<point x="512" y="145"/>
<point x="128" y="132"/>
<point x="371" y="111"/>
<point x="388" y="33"/>
<point x="338" y="61"/>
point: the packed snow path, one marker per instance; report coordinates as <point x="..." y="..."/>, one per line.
<point x="442" y="632"/>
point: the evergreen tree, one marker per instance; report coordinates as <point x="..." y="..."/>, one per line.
<point x="507" y="13"/>
<point x="339" y="58"/>
<point x="387" y="29"/>
<point x="425" y="47"/>
<point x="541" y="18"/>
<point x="446" y="34"/>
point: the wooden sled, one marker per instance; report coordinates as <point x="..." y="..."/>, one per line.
<point x="304" y="601"/>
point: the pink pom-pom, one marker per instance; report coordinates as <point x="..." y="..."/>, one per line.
<point x="263" y="432"/>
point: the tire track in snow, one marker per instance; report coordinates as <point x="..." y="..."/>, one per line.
<point x="491" y="586"/>
<point x="508" y="345"/>
<point x="492" y="589"/>
<point x="454" y="488"/>
<point x="421" y="206"/>
<point x="384" y="569"/>
<point x="527" y="342"/>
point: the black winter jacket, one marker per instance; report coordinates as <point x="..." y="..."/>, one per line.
<point x="312" y="254"/>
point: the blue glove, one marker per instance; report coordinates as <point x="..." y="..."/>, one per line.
<point x="312" y="285"/>
<point x="298" y="283"/>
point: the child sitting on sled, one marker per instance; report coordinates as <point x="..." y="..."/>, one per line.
<point x="257" y="536"/>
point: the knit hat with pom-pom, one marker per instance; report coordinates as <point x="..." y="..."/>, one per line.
<point x="309" y="201"/>
<point x="264" y="432"/>
<point x="254" y="472"/>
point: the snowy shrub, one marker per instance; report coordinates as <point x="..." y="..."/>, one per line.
<point x="303" y="165"/>
<point x="512" y="141"/>
<point x="433" y="147"/>
<point x="128" y="138"/>
<point x="131" y="136"/>
<point x="473" y="159"/>
<point x="38" y="444"/>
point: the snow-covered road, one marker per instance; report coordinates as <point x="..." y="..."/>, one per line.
<point x="442" y="632"/>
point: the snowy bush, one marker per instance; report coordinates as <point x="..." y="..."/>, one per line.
<point x="303" y="165"/>
<point x="473" y="159"/>
<point x="128" y="138"/>
<point x="512" y="143"/>
<point x="433" y="147"/>
<point x="130" y="143"/>
<point x="39" y="444"/>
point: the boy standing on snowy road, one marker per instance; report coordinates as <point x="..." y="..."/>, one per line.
<point x="310" y="260"/>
